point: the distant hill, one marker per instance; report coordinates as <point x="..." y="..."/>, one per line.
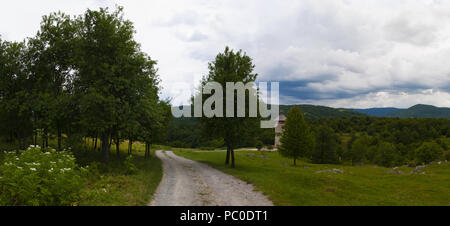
<point x="416" y="111"/>
<point x="377" y="112"/>
<point x="313" y="111"/>
<point x="422" y="111"/>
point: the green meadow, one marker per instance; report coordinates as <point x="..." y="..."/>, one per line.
<point x="303" y="185"/>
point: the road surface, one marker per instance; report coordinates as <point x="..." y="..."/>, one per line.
<point x="189" y="183"/>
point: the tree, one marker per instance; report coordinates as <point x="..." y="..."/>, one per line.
<point x="428" y="152"/>
<point x="230" y="66"/>
<point x="115" y="81"/>
<point x="326" y="146"/>
<point x="51" y="57"/>
<point x="386" y="154"/>
<point x="297" y="139"/>
<point x="358" y="150"/>
<point x="15" y="96"/>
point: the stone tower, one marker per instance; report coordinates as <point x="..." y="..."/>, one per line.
<point x="279" y="129"/>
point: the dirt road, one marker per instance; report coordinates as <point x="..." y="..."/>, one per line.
<point x="189" y="183"/>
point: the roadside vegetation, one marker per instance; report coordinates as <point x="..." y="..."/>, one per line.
<point x="45" y="177"/>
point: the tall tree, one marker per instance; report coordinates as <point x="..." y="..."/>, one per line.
<point x="297" y="140"/>
<point x="111" y="67"/>
<point x="230" y="66"/>
<point x="51" y="57"/>
<point x="326" y="146"/>
<point x="15" y="96"/>
<point x="358" y="150"/>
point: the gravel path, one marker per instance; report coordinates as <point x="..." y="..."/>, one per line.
<point x="189" y="183"/>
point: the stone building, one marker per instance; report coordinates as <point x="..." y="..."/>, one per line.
<point x="279" y="129"/>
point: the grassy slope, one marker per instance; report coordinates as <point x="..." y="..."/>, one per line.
<point x="113" y="188"/>
<point x="362" y="185"/>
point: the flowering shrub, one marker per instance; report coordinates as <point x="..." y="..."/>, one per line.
<point x="40" y="177"/>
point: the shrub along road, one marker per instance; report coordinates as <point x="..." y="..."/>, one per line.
<point x="189" y="183"/>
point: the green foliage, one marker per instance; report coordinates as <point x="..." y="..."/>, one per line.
<point x="447" y="156"/>
<point x="428" y="152"/>
<point x="386" y="155"/>
<point x="77" y="77"/>
<point x="259" y="145"/>
<point x="130" y="168"/>
<point x="297" y="140"/>
<point x="230" y="66"/>
<point x="358" y="150"/>
<point x="38" y="176"/>
<point x="326" y="146"/>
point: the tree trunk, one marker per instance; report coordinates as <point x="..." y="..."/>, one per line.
<point x="45" y="144"/>
<point x="147" y="150"/>
<point x="295" y="162"/>
<point x="145" y="153"/>
<point x="130" y="146"/>
<point x="105" y="147"/>
<point x="227" y="160"/>
<point x="35" y="137"/>
<point x="232" y="158"/>
<point x="19" y="140"/>
<point x="59" y="139"/>
<point x="117" y="145"/>
<point x="95" y="142"/>
<point x="43" y="138"/>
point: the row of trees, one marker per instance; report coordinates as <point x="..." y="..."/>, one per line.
<point x="321" y="144"/>
<point x="80" y="76"/>
<point x="187" y="133"/>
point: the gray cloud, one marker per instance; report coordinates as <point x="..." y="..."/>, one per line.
<point x="344" y="53"/>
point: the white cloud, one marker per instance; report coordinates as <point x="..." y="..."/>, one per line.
<point x="349" y="53"/>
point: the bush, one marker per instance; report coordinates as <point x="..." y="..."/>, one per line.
<point x="130" y="168"/>
<point x="41" y="177"/>
<point x="259" y="145"/>
<point x="447" y="156"/>
<point x="428" y="152"/>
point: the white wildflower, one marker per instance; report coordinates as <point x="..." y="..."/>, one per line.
<point x="33" y="169"/>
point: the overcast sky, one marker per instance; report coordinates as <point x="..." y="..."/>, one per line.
<point x="338" y="53"/>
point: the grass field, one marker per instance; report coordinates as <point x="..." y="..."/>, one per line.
<point x="285" y="184"/>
